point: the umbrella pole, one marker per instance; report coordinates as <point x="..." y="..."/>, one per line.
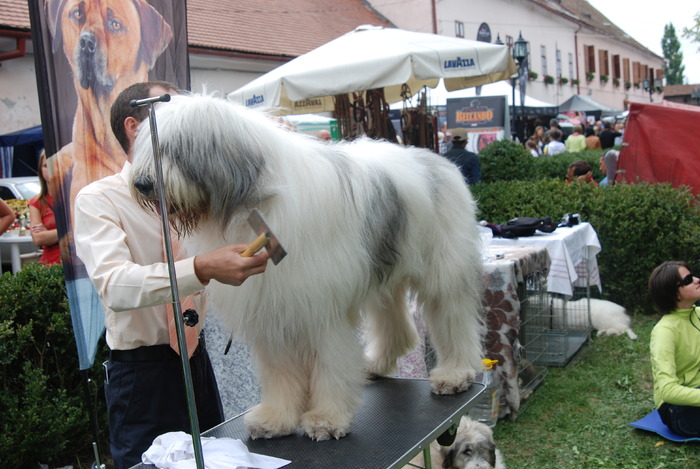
<point x="177" y="307"/>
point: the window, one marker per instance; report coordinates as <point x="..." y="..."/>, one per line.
<point x="509" y="42"/>
<point x="571" y="66"/>
<point x="604" y="63"/>
<point x="459" y="29"/>
<point x="617" y="71"/>
<point x="558" y="59"/>
<point x="590" y="59"/>
<point x="626" y="70"/>
<point x="543" y="59"/>
<point x="636" y="72"/>
<point x="660" y="75"/>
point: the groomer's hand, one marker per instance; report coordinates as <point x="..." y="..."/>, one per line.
<point x="226" y="265"/>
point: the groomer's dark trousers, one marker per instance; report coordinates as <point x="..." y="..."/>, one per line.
<point x="145" y="393"/>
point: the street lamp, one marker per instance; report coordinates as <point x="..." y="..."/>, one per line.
<point x="521" y="50"/>
<point x="646" y="84"/>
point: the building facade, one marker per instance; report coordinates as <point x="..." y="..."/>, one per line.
<point x="574" y="49"/>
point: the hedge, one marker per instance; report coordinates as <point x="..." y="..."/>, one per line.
<point x="639" y="226"/>
<point x="509" y="161"/>
<point x="43" y="399"/>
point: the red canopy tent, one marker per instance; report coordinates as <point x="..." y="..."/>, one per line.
<point x="662" y="144"/>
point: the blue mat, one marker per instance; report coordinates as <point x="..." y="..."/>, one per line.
<point x="652" y="423"/>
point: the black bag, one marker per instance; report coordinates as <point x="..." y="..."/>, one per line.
<point x="523" y="226"/>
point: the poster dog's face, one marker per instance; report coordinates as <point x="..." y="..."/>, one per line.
<point x="108" y="43"/>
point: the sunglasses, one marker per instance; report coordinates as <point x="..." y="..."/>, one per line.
<point x="687" y="280"/>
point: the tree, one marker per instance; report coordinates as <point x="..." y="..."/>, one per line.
<point x="693" y="33"/>
<point x="671" y="47"/>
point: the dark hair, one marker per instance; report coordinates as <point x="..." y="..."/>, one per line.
<point x="589" y="131"/>
<point x="121" y="108"/>
<point x="44" y="190"/>
<point x="555" y="134"/>
<point x="663" y="286"/>
<point x="581" y="167"/>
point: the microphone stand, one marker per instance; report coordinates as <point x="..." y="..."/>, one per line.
<point x="177" y="308"/>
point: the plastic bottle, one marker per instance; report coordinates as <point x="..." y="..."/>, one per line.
<point x="487" y="409"/>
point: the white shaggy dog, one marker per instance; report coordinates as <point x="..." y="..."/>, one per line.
<point x="362" y="223"/>
<point x="607" y="318"/>
<point x="473" y="448"/>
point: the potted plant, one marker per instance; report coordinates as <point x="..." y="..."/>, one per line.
<point x="616" y="81"/>
<point x="548" y="79"/>
<point x="532" y="75"/>
<point x="637" y="85"/>
<point x="563" y="80"/>
<point x="628" y="85"/>
<point x="590" y="76"/>
<point x="604" y="78"/>
<point x="575" y="82"/>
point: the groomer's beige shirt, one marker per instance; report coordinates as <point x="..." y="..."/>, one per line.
<point x="121" y="245"/>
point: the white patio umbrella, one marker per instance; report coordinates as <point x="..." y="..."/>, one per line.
<point x="372" y="57"/>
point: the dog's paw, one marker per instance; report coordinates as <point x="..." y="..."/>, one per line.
<point x="319" y="426"/>
<point x="450" y="380"/>
<point x="265" y="422"/>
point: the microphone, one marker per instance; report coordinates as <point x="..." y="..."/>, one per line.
<point x="156" y="99"/>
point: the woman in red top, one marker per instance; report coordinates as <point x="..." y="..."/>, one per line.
<point x="42" y="220"/>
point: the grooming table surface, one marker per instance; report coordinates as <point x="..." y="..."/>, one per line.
<point x="397" y="419"/>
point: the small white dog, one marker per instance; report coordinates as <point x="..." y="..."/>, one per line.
<point x="362" y="222"/>
<point x="607" y="318"/>
<point x="473" y="448"/>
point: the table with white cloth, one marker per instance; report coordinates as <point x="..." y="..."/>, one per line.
<point x="573" y="252"/>
<point x="15" y="242"/>
<point x="506" y="270"/>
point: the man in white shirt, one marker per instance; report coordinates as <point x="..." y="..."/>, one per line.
<point x="121" y="245"/>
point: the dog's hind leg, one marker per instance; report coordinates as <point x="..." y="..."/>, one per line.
<point x="336" y="383"/>
<point x="283" y="381"/>
<point x="455" y="328"/>
<point x="389" y="331"/>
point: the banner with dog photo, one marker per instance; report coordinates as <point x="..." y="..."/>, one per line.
<point x="86" y="53"/>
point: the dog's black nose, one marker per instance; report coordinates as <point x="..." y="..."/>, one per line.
<point x="88" y="42"/>
<point x="144" y="184"/>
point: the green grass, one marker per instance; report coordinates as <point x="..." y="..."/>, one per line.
<point x="578" y="417"/>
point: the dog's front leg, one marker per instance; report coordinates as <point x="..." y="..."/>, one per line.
<point x="284" y="385"/>
<point x="336" y="381"/>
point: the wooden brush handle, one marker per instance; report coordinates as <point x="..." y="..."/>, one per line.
<point x="256" y="245"/>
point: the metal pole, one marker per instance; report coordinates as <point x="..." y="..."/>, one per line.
<point x="177" y="308"/>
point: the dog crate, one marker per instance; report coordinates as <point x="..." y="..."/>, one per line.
<point x="555" y="328"/>
<point x="531" y="348"/>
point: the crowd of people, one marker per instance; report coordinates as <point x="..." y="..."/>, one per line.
<point x="600" y="136"/>
<point x="553" y="141"/>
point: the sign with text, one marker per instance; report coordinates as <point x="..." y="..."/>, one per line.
<point x="476" y="113"/>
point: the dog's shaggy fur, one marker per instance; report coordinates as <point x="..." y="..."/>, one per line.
<point x="607" y="318"/>
<point x="473" y="448"/>
<point x="362" y="222"/>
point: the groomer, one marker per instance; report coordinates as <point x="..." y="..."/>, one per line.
<point x="121" y="245"/>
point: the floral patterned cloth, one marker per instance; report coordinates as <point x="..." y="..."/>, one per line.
<point x="505" y="268"/>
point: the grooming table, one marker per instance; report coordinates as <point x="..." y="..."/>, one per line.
<point x="398" y="418"/>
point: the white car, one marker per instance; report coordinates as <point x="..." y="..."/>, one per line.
<point x="23" y="188"/>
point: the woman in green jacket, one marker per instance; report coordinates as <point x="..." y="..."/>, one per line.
<point x="675" y="347"/>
